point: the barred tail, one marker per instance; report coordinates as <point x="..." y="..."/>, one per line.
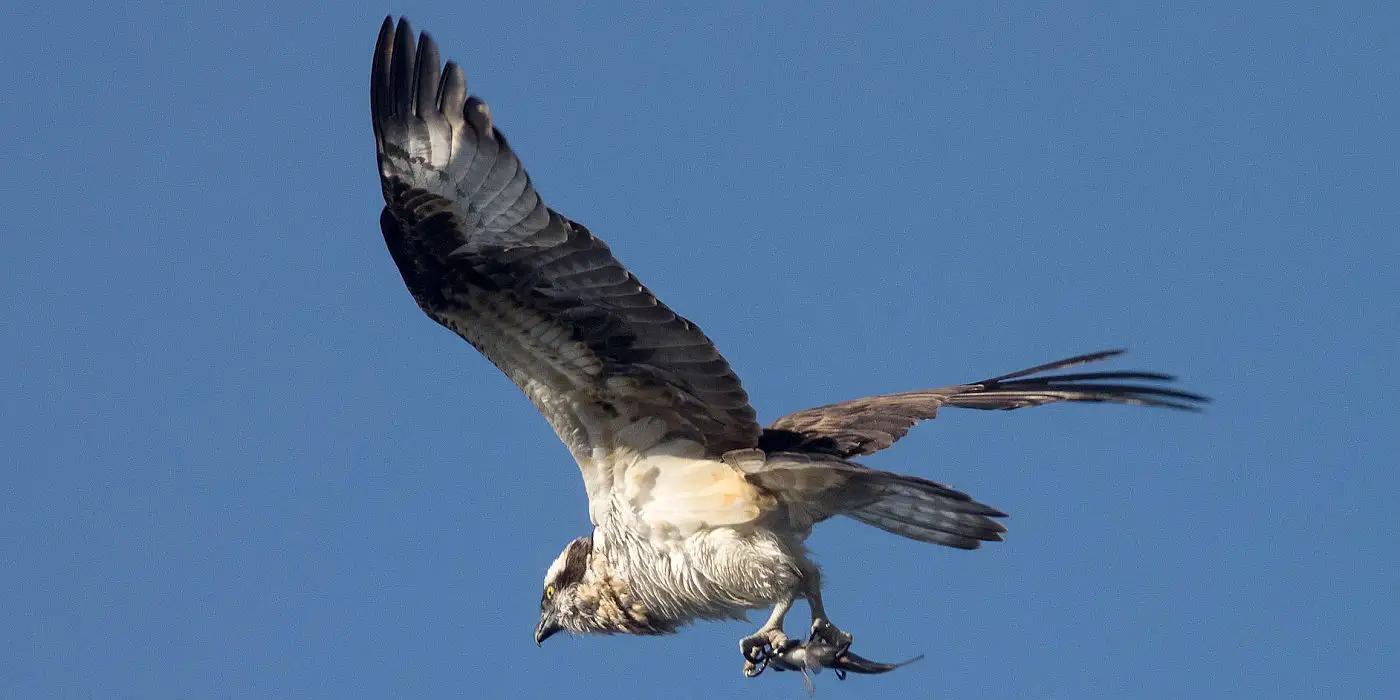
<point x="927" y="511"/>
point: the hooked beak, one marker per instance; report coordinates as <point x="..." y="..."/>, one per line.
<point x="546" y="629"/>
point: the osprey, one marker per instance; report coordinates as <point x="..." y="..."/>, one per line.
<point x="698" y="512"/>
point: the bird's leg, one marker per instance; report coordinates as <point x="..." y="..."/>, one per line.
<point x="828" y="647"/>
<point x="769" y="639"/>
<point x="822" y="629"/>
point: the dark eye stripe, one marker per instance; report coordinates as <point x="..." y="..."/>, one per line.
<point x="575" y="563"/>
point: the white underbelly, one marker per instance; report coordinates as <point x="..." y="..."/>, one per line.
<point x="714" y="573"/>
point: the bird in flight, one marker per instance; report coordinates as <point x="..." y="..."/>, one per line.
<point x="698" y="512"/>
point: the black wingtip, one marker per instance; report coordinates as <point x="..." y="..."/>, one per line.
<point x="426" y="76"/>
<point x="379" y="78"/>
<point x="1060" y="364"/>
<point x="406" y="76"/>
<point x="401" y="69"/>
<point x="1096" y="386"/>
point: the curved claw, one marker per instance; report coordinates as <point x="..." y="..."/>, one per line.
<point x="759" y="650"/>
<point x="824" y="631"/>
<point x="754" y="655"/>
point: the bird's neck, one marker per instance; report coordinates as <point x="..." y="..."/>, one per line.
<point x="617" y="607"/>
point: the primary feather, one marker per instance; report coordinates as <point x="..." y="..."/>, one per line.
<point x="537" y="294"/>
<point x="868" y="425"/>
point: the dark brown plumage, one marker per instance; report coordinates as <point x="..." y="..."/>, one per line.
<point x="484" y="256"/>
<point x="868" y="425"/>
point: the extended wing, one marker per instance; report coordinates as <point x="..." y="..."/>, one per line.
<point x="610" y="366"/>
<point x="864" y="426"/>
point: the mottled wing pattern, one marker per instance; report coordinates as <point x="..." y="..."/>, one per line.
<point x="865" y="426"/>
<point x="536" y="293"/>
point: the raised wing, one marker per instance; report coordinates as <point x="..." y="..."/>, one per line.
<point x="610" y="366"/>
<point x="864" y="426"/>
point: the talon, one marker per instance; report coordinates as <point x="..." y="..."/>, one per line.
<point x="752" y="649"/>
<point x="760" y="648"/>
<point x="828" y="647"/>
<point x="823" y="630"/>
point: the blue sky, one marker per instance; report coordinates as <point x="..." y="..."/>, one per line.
<point x="242" y="464"/>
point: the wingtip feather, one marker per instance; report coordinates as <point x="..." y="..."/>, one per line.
<point x="452" y="93"/>
<point x="379" y="80"/>
<point x="426" y="76"/>
<point x="401" y="69"/>
<point x="1066" y="363"/>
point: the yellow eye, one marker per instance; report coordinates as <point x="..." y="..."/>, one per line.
<point x="549" y="592"/>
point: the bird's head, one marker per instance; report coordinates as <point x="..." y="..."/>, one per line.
<point x="565" y="605"/>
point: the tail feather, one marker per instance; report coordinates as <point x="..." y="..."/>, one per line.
<point x="922" y="533"/>
<point x="813" y="487"/>
<point x="927" y="511"/>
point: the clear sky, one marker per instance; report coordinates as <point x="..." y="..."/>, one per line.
<point x="240" y="462"/>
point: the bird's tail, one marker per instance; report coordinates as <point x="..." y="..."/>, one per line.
<point x="815" y="487"/>
<point x="926" y="511"/>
